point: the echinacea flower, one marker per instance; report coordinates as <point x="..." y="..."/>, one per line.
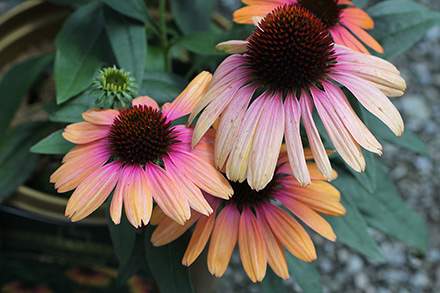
<point x="345" y="22"/>
<point x="139" y="154"/>
<point x="261" y="227"/>
<point x="291" y="62"/>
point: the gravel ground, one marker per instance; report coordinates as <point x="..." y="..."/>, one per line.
<point x="417" y="178"/>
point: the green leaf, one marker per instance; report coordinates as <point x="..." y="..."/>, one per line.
<point x="129" y="42"/>
<point x="165" y="263"/>
<point x="15" y="83"/>
<point x="192" y="15"/>
<point x="204" y="43"/>
<point x="408" y="140"/>
<point x="360" y="3"/>
<point x="305" y="273"/>
<point x="132" y="8"/>
<point x="82" y="48"/>
<point x="384" y="210"/>
<point x="272" y="283"/>
<point x="55" y="143"/>
<point x="162" y="87"/>
<point x="71" y="111"/>
<point x="399" y="24"/>
<point x="123" y="236"/>
<point x="16" y="162"/>
<point x="351" y="229"/>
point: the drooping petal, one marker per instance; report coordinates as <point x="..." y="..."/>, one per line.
<point x="236" y="167"/>
<point x="87" y="159"/>
<point x="137" y="196"/>
<point x="294" y="145"/>
<point x="316" y="145"/>
<point x="202" y="174"/>
<point x="85" y="132"/>
<point x="93" y="191"/>
<point x="223" y="239"/>
<point x="266" y="144"/>
<point x="199" y="238"/>
<point x="352" y="122"/>
<point x="100" y="116"/>
<point x="145" y="100"/>
<point x="192" y="192"/>
<point x="245" y="14"/>
<point x="342" y="36"/>
<point x="343" y="141"/>
<point x="356" y="16"/>
<point x="309" y="217"/>
<point x="157" y="216"/>
<point x="166" y="192"/>
<point x="364" y="37"/>
<point x="185" y="102"/>
<point x="290" y="233"/>
<point x="216" y="107"/>
<point x="230" y="124"/>
<point x="252" y="247"/>
<point x="275" y="250"/>
<point x="169" y="230"/>
<point x="372" y="99"/>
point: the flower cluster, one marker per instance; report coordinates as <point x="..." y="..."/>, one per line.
<point x="260" y="101"/>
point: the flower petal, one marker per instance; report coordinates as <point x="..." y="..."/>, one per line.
<point x="169" y="230"/>
<point x="266" y="144"/>
<point x="293" y="139"/>
<point x="100" y="116"/>
<point x="93" y="191"/>
<point x="85" y="132"/>
<point x="146" y="101"/>
<point x="186" y="101"/>
<point x="199" y="238"/>
<point x="252" y="247"/>
<point x="223" y="239"/>
<point x="291" y="234"/>
<point x="232" y="47"/>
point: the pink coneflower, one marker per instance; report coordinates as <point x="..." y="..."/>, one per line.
<point x="138" y="151"/>
<point x="292" y="64"/>
<point x="344" y="21"/>
<point x="261" y="227"/>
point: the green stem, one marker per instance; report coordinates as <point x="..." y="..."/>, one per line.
<point x="163" y="33"/>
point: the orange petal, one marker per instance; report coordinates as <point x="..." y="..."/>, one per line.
<point x="252" y="247"/>
<point x="357" y="17"/>
<point x="100" y="116"/>
<point x="199" y="239"/>
<point x="85" y="132"/>
<point x="157" y="216"/>
<point x="169" y="230"/>
<point x="290" y="233"/>
<point x="93" y="191"/>
<point x="275" y="250"/>
<point x="223" y="240"/>
<point x="245" y="14"/>
<point x="309" y="216"/>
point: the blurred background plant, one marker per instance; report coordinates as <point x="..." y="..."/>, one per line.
<point x="50" y="54"/>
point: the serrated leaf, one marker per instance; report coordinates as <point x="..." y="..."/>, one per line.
<point x="165" y="263"/>
<point x="272" y="283"/>
<point x="15" y="83"/>
<point x="162" y="87"/>
<point x="351" y="229"/>
<point x="55" y="143"/>
<point x="132" y="8"/>
<point x="192" y="15"/>
<point x="129" y="42"/>
<point x="16" y="162"/>
<point x="399" y="24"/>
<point x="305" y="274"/>
<point x="82" y="48"/>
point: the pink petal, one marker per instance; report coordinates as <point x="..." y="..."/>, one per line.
<point x="85" y="132"/>
<point x="147" y="101"/>
<point x="266" y="144"/>
<point x="100" y="116"/>
<point x="294" y="145"/>
<point x="93" y="191"/>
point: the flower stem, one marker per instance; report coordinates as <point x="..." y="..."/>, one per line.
<point x="163" y="33"/>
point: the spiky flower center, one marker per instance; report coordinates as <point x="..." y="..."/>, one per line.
<point x="290" y="49"/>
<point x="328" y="11"/>
<point x="245" y="195"/>
<point x="140" y="134"/>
